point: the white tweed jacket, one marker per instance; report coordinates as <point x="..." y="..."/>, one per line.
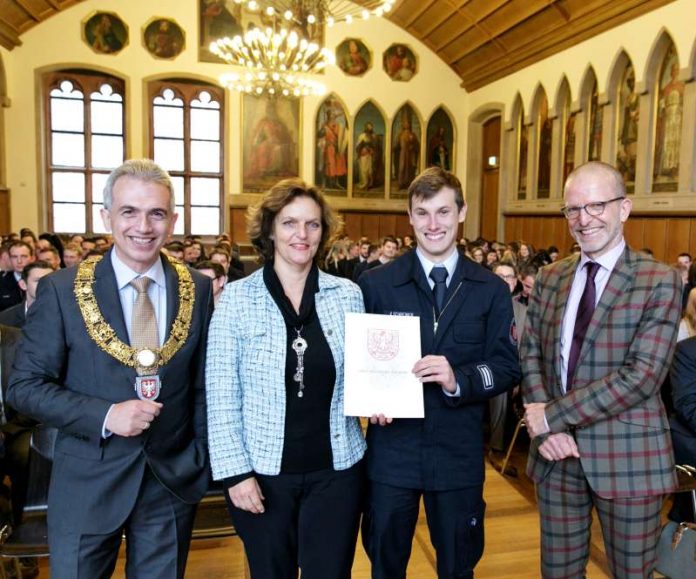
<point x="245" y="377"/>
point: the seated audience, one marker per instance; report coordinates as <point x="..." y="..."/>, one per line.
<point x="21" y="254"/>
<point x="175" y="249"/>
<point x="50" y="255"/>
<point x="72" y="254"/>
<point x="687" y="325"/>
<point x="215" y="272"/>
<point x="371" y="261"/>
<point x="16" y="315"/>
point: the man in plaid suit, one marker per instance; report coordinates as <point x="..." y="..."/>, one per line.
<point x="600" y="332"/>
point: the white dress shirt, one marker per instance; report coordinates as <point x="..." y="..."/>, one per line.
<point x="607" y="263"/>
<point x="450" y="264"/>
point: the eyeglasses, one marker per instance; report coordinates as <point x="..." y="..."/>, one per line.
<point x="594" y="209"/>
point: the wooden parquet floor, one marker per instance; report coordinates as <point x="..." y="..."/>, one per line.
<point x="512" y="541"/>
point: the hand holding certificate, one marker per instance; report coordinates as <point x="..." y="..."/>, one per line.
<point x="380" y="355"/>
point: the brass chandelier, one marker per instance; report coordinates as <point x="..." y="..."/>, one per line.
<point x="279" y="55"/>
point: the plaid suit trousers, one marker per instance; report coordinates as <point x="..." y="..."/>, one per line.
<point x="630" y="526"/>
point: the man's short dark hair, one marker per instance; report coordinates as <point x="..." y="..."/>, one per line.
<point x="431" y="181"/>
<point x="50" y="248"/>
<point x="498" y="264"/>
<point x="174" y="246"/>
<point x="216" y="267"/>
<point x="38" y="264"/>
<point x="388" y="238"/>
<point x="685" y="254"/>
<point x="528" y="269"/>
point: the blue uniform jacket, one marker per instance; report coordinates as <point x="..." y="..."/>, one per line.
<point x="444" y="450"/>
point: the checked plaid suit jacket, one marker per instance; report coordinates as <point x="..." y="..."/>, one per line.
<point x="614" y="410"/>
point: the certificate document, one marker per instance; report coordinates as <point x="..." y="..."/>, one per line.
<point x="380" y="353"/>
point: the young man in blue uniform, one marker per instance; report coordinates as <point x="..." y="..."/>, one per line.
<point x="469" y="356"/>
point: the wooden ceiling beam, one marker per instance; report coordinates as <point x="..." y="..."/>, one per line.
<point x="554" y="42"/>
<point x="9" y="36"/>
<point x="24" y="5"/>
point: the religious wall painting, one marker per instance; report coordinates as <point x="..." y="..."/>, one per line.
<point x="668" y="126"/>
<point x="105" y="33"/>
<point x="270" y="141"/>
<point x="353" y="57"/>
<point x="400" y="62"/>
<point x="627" y="137"/>
<point x="332" y="147"/>
<point x="405" y="151"/>
<point x="440" y="140"/>
<point x="369" y="137"/>
<point x="594" y="152"/>
<point x="523" y="132"/>
<point x="164" y="38"/>
<point x="217" y="19"/>
<point x="568" y="139"/>
<point x="545" y="136"/>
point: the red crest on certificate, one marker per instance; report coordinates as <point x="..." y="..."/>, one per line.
<point x="382" y="344"/>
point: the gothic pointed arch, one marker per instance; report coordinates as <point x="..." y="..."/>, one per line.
<point x="405" y="149"/>
<point x="543" y="133"/>
<point x="664" y="81"/>
<point x="440" y="139"/>
<point x="369" y="141"/>
<point x="622" y="88"/>
<point x="332" y="146"/>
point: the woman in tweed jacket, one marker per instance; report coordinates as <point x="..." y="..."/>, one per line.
<point x="290" y="461"/>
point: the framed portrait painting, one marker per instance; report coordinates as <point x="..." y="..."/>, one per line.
<point x="369" y="137"/>
<point x="668" y="127"/>
<point x="164" y="38"/>
<point x="400" y="62"/>
<point x="440" y="139"/>
<point x="105" y="33"/>
<point x="353" y="57"/>
<point x="217" y="19"/>
<point x="270" y="141"/>
<point x="405" y="150"/>
<point x="332" y="147"/>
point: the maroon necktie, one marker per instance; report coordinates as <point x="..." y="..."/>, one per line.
<point x="586" y="308"/>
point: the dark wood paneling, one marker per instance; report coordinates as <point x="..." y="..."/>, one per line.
<point x="238" y="225"/>
<point x="667" y="237"/>
<point x="4" y="211"/>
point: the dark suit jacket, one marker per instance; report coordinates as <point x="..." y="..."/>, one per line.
<point x="683" y="423"/>
<point x="63" y="379"/>
<point x="10" y="292"/>
<point x="16" y="423"/>
<point x="444" y="450"/>
<point x="14" y="316"/>
<point x="614" y="409"/>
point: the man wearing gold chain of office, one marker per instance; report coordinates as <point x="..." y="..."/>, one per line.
<point x="113" y="356"/>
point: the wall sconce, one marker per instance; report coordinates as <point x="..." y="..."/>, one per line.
<point x="492" y="162"/>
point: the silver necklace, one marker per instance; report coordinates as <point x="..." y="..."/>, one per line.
<point x="299" y="344"/>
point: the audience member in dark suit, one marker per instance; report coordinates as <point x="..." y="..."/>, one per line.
<point x="31" y="274"/>
<point x="113" y="355"/>
<point x="468" y="358"/>
<point x="15" y="430"/>
<point x="11" y="294"/>
<point x="371" y="261"/>
<point x="683" y="422"/>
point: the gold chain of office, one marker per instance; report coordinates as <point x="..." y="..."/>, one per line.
<point x="104" y="335"/>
